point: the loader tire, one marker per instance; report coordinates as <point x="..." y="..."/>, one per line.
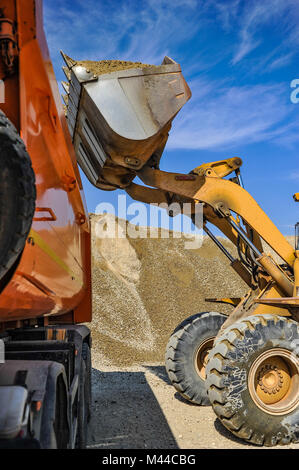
<point x="253" y="379"/>
<point x="17" y="195"/>
<point x="186" y="352"/>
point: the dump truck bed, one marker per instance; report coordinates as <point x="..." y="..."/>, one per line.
<point x="53" y="275"/>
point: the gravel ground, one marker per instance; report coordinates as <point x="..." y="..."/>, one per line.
<point x="137" y="408"/>
<point x="142" y="289"/>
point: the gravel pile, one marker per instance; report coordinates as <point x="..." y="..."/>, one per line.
<point x="107" y="66"/>
<point x="144" y="287"/>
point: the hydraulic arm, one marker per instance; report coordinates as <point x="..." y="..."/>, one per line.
<point x="119" y="115"/>
<point x="115" y="148"/>
<point x="229" y="207"/>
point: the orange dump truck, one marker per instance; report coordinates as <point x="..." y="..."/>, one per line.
<point x="116" y="123"/>
<point x="45" y="268"/>
<point x="118" y="119"/>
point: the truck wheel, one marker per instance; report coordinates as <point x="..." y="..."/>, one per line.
<point x="187" y="352"/>
<point x="81" y="440"/>
<point x="253" y="379"/>
<point x="86" y="355"/>
<point x="60" y="426"/>
<point x="17" y="195"/>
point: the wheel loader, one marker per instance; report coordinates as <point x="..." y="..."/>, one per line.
<point x="115" y="126"/>
<point x="244" y="364"/>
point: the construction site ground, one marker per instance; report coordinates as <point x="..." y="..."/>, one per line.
<point x="142" y="289"/>
<point x="137" y="408"/>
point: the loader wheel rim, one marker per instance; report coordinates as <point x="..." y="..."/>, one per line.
<point x="201" y="357"/>
<point x="273" y="381"/>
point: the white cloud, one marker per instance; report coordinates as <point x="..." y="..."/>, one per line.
<point x="281" y="61"/>
<point x="294" y="175"/>
<point x="144" y="31"/>
<point x="258" y="14"/>
<point x="226" y="12"/>
<point x="219" y="116"/>
<point x="288" y="136"/>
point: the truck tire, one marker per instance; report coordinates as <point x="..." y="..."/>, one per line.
<point x="253" y="379"/>
<point x="17" y="195"/>
<point x="82" y="409"/>
<point x="186" y="354"/>
<point x="60" y="426"/>
<point x="86" y="355"/>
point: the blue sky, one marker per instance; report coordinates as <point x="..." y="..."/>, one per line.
<point x="239" y="58"/>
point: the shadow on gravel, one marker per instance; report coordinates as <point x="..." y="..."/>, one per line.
<point x="126" y="414"/>
<point x="179" y="397"/>
<point x="158" y="371"/>
<point x="226" y="433"/>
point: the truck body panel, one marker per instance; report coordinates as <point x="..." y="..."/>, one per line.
<point x="53" y="276"/>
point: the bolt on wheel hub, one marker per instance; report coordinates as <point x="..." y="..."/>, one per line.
<point x="273" y="381"/>
<point x="270" y="381"/>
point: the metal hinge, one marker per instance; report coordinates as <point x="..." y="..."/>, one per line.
<point x="8" y="44"/>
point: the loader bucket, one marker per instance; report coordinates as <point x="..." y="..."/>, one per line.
<point x="119" y="115"/>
